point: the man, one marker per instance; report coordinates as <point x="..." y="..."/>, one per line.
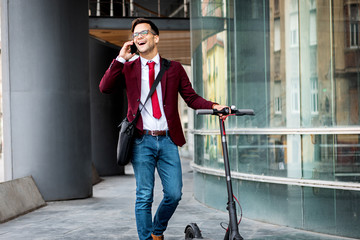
<point x="159" y="127"/>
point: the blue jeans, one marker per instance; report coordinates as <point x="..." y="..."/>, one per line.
<point x="150" y="152"/>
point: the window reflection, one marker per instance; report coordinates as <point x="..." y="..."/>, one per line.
<point x="297" y="64"/>
<point x="331" y="157"/>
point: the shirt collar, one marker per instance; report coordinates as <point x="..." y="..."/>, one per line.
<point x="144" y="61"/>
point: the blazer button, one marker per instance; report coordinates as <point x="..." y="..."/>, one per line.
<point x="137" y="100"/>
<point x="133" y="115"/>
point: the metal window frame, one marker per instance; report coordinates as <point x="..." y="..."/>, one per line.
<point x="279" y="180"/>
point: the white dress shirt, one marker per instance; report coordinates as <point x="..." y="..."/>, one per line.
<point x="149" y="122"/>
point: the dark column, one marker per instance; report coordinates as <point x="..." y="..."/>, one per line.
<point x="107" y="110"/>
<point x="46" y="95"/>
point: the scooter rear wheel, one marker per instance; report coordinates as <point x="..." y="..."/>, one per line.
<point x="192" y="231"/>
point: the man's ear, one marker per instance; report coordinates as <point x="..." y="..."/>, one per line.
<point x="157" y="39"/>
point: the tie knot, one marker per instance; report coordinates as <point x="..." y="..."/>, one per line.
<point x="151" y="64"/>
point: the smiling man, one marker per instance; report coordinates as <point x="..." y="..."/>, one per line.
<point x="159" y="131"/>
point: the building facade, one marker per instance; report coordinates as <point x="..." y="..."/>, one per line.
<point x="297" y="64"/>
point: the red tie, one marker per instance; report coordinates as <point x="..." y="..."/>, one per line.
<point x="154" y="97"/>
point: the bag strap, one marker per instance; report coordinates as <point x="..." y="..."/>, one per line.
<point x="165" y="65"/>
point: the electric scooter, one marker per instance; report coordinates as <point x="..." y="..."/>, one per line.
<point x="192" y="231"/>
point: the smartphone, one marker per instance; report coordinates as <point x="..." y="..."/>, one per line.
<point x="133" y="48"/>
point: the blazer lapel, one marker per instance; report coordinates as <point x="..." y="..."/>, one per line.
<point x="163" y="83"/>
<point x="138" y="74"/>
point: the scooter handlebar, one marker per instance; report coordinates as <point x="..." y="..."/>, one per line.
<point x="225" y="111"/>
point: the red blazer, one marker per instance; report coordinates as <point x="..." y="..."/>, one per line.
<point x="174" y="81"/>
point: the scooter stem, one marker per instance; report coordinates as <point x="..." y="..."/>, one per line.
<point x="233" y="225"/>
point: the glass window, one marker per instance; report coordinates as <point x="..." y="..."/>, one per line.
<point x="277" y="39"/>
<point x="354" y="34"/>
<point x="295" y="96"/>
<point x="312" y="27"/>
<point x="354" y="25"/>
<point x="277" y="95"/>
<point x="331" y="157"/>
<point x="276" y="5"/>
<point x="255" y="9"/>
<point x="314" y="96"/>
<point x="297" y="64"/>
<point x="294" y="28"/>
<point x="293" y="5"/>
<point x="301" y="78"/>
<point x="312" y="4"/>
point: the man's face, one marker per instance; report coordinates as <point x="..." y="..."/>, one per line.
<point x="145" y="43"/>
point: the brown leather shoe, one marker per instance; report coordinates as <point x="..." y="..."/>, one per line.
<point x="157" y="237"/>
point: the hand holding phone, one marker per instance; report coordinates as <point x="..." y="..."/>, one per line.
<point x="126" y="52"/>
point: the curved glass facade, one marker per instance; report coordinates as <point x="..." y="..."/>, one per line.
<point x="297" y="64"/>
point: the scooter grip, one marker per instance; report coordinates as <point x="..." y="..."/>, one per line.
<point x="241" y="112"/>
<point x="204" y="111"/>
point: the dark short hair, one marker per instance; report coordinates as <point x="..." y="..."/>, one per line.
<point x="144" y="20"/>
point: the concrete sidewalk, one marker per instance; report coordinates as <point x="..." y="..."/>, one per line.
<point x="109" y="214"/>
<point x="2" y="177"/>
